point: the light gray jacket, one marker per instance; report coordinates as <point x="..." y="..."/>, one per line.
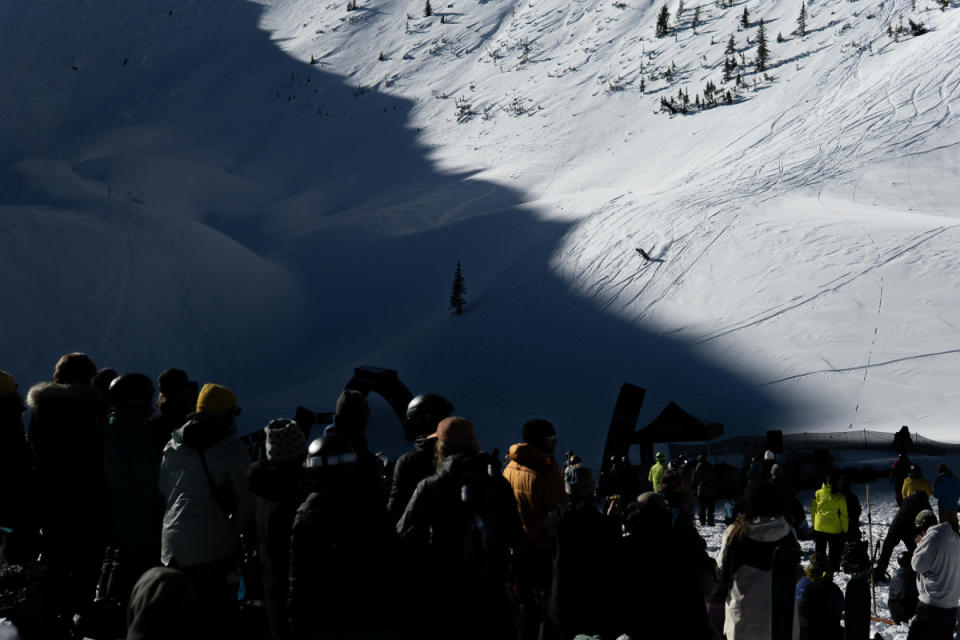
<point x="937" y="563"/>
<point x="195" y="528"/>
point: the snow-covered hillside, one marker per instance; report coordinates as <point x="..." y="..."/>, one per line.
<point x="268" y="194"/>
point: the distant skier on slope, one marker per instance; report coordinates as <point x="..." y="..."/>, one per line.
<point x="644" y="255"/>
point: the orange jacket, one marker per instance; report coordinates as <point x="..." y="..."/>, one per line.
<point x="538" y="487"/>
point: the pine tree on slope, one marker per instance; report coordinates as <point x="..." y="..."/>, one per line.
<point x="663" y="22"/>
<point x="763" y="54"/>
<point x="802" y="20"/>
<point x="457" y="301"/>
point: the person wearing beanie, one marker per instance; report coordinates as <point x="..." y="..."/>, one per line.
<point x="854" y="508"/>
<point x="424" y="413"/>
<point x="17" y="511"/>
<point x="746" y="559"/>
<point x="903" y="596"/>
<point x="899" y="473"/>
<point x="203" y="477"/>
<point x="828" y="511"/>
<point x="819" y="602"/>
<point x="132" y="466"/>
<point x="176" y="400"/>
<point x="674" y="488"/>
<point x="653" y="587"/>
<point x="916" y="482"/>
<point x="350" y="420"/>
<point x="462" y="521"/>
<point x="936" y="561"/>
<point x="901" y="529"/>
<point x="538" y="488"/>
<point x="67" y="442"/>
<point x="946" y="489"/>
<point x="279" y="487"/>
<point x="792" y="508"/>
<point x="582" y="540"/>
<point x="769" y="459"/>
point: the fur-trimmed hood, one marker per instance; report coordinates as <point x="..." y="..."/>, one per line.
<point x="45" y="392"/>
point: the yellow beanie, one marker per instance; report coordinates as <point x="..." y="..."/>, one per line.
<point x="8" y="386"/>
<point x="215" y="398"/>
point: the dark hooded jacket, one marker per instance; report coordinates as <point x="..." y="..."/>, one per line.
<point x="279" y="489"/>
<point x="16" y="476"/>
<point x="820" y="608"/>
<point x="410" y="469"/>
<point x="582" y="541"/>
<point x="668" y="603"/>
<point x="463" y="520"/>
<point x="705" y="480"/>
<point x="132" y="467"/>
<point x="343" y="551"/>
<point x="68" y="450"/>
<point x="164" y="605"/>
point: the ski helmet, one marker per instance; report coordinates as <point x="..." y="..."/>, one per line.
<point x="331" y="450"/>
<point x="131" y="390"/>
<point x="425" y="411"/>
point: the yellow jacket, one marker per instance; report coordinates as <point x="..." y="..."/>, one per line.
<point x="656" y="474"/>
<point x="829" y="511"/>
<point x="912" y="486"/>
<point x="538" y="487"/>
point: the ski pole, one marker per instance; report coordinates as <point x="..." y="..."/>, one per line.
<point x="873" y="584"/>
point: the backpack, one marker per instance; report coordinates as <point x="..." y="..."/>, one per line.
<point x="855" y="557"/>
<point x="477" y="518"/>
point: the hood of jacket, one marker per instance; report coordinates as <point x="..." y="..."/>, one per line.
<point x="45" y="392"/>
<point x="767" y="528"/>
<point x="202" y="432"/>
<point x="528" y="455"/>
<point x="275" y="482"/>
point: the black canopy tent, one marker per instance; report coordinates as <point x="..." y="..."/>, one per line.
<point x="674" y="425"/>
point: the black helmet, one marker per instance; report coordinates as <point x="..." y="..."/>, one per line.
<point x="131" y="390"/>
<point x="425" y="411"/>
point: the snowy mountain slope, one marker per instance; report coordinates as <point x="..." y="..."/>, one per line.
<point x="197" y="193"/>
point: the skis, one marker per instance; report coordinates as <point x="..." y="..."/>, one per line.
<point x="856" y="609"/>
<point x="783" y="592"/>
<point x="873" y="584"/>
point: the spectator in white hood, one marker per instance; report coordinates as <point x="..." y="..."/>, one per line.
<point x="937" y="563"/>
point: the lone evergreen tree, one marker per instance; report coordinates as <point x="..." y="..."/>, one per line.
<point x="663" y="22"/>
<point x="457" y="292"/>
<point x="731" y="46"/>
<point x="763" y="54"/>
<point x="802" y="20"/>
<point x="696" y="19"/>
<point x="427" y="10"/>
<point x="745" y="18"/>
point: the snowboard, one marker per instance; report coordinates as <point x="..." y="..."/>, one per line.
<point x="856" y="609"/>
<point x="783" y="592"/>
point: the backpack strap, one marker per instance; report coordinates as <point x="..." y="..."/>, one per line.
<point x="215" y="491"/>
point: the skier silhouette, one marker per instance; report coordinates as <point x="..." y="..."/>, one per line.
<point x="643" y="254"/>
